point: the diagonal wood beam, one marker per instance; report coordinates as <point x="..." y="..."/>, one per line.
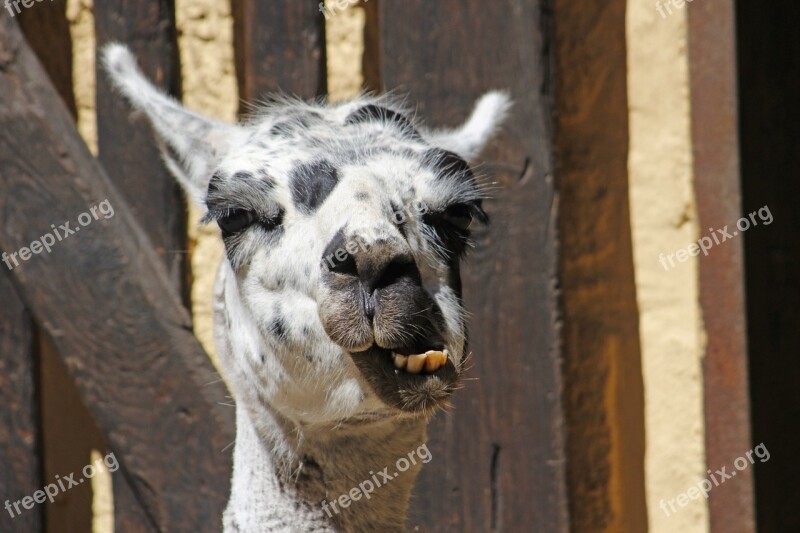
<point x="20" y="436"/>
<point x="104" y="299"/>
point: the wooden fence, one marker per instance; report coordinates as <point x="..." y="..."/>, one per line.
<point x="111" y="303"/>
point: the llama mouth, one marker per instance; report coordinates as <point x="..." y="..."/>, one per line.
<point x="430" y="361"/>
<point x="412" y="380"/>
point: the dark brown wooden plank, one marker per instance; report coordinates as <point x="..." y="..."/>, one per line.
<point x="280" y="46"/>
<point x="715" y="140"/>
<point x="125" y="142"/>
<point x="768" y="84"/>
<point x="104" y="300"/>
<point x="20" y="438"/>
<point x="69" y="435"/>
<point x="498" y="459"/>
<point x="603" y="388"/>
<point x="371" y="67"/>
<point x="47" y="30"/>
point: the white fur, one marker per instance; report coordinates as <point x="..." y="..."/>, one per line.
<point x="299" y="394"/>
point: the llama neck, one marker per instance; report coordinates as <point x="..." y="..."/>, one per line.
<point x="337" y="479"/>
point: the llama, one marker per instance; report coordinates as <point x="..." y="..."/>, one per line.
<point x="337" y="311"/>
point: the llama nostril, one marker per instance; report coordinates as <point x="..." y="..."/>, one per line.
<point x="337" y="256"/>
<point x="399" y="269"/>
<point x="343" y="264"/>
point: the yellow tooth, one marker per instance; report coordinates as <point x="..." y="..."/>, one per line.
<point x="400" y="360"/>
<point x="415" y="363"/>
<point x="443" y="358"/>
<point x="432" y="361"/>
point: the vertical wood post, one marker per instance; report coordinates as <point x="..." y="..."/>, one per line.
<point x="126" y="143"/>
<point x="280" y="46"/>
<point x="498" y="459"/>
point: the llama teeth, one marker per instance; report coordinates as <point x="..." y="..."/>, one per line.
<point x="433" y="360"/>
<point x="400" y="361"/>
<point x="415" y="363"/>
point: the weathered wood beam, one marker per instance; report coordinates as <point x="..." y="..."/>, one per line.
<point x="20" y="435"/>
<point x="499" y="458"/>
<point x="47" y="30"/>
<point x="603" y="387"/>
<point x="715" y="147"/>
<point x="103" y="298"/>
<point x="280" y="46"/>
<point x="126" y="146"/>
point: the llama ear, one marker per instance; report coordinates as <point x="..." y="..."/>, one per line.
<point x="470" y="138"/>
<point x="191" y="144"/>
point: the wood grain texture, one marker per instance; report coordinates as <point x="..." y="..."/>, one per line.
<point x="126" y="143"/>
<point x="47" y="30"/>
<point x="498" y="458"/>
<point x="604" y="392"/>
<point x="768" y="84"/>
<point x="104" y="300"/>
<point x="68" y="437"/>
<point x="279" y="46"/>
<point x="20" y="437"/>
<point x="715" y="140"/>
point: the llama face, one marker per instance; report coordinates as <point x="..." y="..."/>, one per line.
<point x="343" y="227"/>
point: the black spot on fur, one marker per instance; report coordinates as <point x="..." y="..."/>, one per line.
<point x="447" y="164"/>
<point x="278" y="327"/>
<point x="362" y="196"/>
<point x="376" y="113"/>
<point x="311" y="184"/>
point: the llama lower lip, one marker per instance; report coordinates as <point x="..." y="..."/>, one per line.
<point x="424" y="391"/>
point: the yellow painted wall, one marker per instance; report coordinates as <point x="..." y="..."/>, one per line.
<point x="664" y="220"/>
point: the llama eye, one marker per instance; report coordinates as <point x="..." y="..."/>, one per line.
<point x="458" y="216"/>
<point x="236" y="220"/>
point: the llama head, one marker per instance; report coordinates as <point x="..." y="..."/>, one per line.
<point x="343" y="227"/>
